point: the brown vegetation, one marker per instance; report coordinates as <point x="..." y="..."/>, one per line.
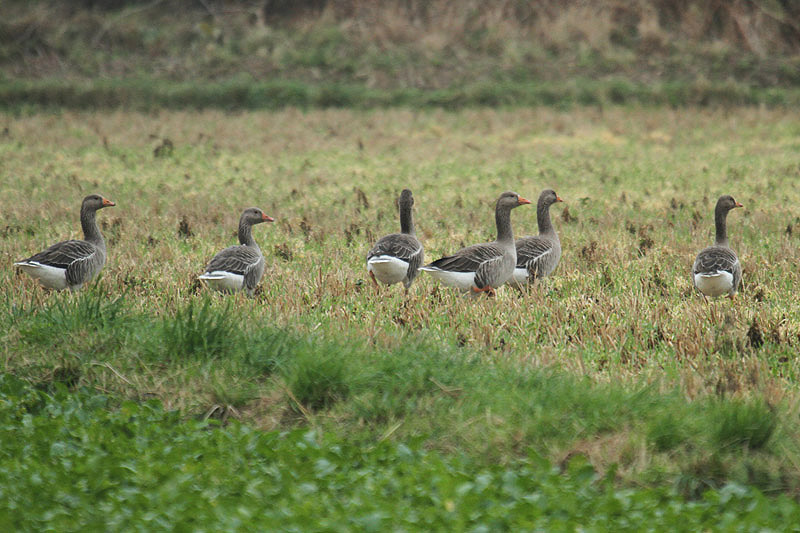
<point x="757" y="26"/>
<point x="406" y="43"/>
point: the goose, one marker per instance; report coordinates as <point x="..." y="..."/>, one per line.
<point x="239" y="267"/>
<point x="483" y="267"/>
<point x="538" y="256"/>
<point x="717" y="270"/>
<point x="398" y="256"/>
<point x="71" y="264"/>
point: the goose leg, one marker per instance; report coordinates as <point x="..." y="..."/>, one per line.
<point x="375" y="281"/>
<point x="489" y="289"/>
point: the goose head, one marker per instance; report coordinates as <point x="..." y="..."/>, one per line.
<point x="509" y="200"/>
<point x="726" y="203"/>
<point x="406" y="199"/>
<point x="548" y="198"/>
<point x="95" y="202"/>
<point x="254" y="215"/>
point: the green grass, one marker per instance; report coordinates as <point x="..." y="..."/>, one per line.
<point x="91" y="311"/>
<point x="145" y="94"/>
<point x="450" y="400"/>
<point x="749" y="425"/>
<point x="198" y="330"/>
<point x="319" y="378"/>
<point x="613" y="360"/>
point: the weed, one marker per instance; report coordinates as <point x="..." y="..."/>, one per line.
<point x="754" y="336"/>
<point x="184" y="230"/>
<point x="68" y="374"/>
<point x="164" y="149"/>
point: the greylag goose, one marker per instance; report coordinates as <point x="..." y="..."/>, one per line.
<point x="70" y="264"/>
<point x="239" y="267"/>
<point x="538" y="256"/>
<point x="397" y="257"/>
<point x="483" y="267"/>
<point x="717" y="270"/>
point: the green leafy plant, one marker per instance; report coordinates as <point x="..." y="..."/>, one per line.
<point x="79" y="461"/>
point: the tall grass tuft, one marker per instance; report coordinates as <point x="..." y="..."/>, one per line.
<point x="235" y="394"/>
<point x="748" y="424"/>
<point x="266" y="350"/>
<point x="90" y="310"/>
<point x="318" y="376"/>
<point x="199" y="330"/>
<point x="667" y="431"/>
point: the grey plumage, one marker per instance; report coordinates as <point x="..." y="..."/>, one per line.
<point x="71" y="264"/>
<point x="239" y="267"/>
<point x="398" y="256"/>
<point x="538" y="256"/>
<point x="242" y="260"/>
<point x="717" y="270"/>
<point x="483" y="267"/>
<point x="718" y="259"/>
<point x="483" y="259"/>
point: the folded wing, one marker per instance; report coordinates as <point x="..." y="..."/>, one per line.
<point x="235" y="259"/>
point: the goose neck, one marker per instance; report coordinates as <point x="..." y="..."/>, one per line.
<point x="720" y="222"/>
<point x="543" y="219"/>
<point x="246" y="234"/>
<point x="406" y="219"/>
<point x="502" y="218"/>
<point x="91" y="232"/>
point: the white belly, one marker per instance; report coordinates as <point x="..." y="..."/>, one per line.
<point x="460" y="280"/>
<point x="519" y="277"/>
<point x="387" y="269"/>
<point x="223" y="281"/>
<point x="49" y="276"/>
<point x="715" y="284"/>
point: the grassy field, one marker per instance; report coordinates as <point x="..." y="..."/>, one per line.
<point x="614" y="359"/>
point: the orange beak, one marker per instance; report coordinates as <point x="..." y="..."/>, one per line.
<point x="738" y="205"/>
<point x="523" y="201"/>
<point x="558" y="199"/>
<point x="108" y="203"/>
<point x="267" y="218"/>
